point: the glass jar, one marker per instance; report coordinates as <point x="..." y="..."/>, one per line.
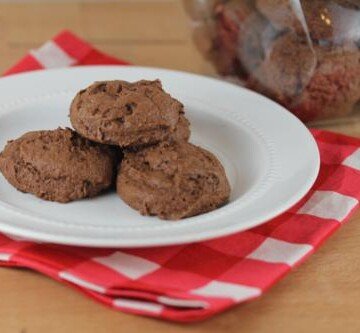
<point x="304" y="54"/>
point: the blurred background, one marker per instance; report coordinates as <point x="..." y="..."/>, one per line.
<point x="144" y="32"/>
<point x="304" y="54"/>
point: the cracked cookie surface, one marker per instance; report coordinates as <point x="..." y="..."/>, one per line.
<point x="128" y="114"/>
<point x="57" y="165"/>
<point x="172" y="181"/>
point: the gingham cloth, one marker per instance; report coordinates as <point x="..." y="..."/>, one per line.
<point x="195" y="281"/>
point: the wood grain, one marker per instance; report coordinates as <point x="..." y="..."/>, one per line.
<point x="149" y="34"/>
<point x="322" y="295"/>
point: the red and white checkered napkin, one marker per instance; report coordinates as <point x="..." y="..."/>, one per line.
<point x="195" y="281"/>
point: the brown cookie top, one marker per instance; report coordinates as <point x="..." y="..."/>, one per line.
<point x="173" y="181"/>
<point x="57" y="165"/>
<point x="128" y="114"/>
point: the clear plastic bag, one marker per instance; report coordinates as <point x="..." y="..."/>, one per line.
<point x="305" y="54"/>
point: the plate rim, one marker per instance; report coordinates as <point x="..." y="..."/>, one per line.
<point x="209" y="234"/>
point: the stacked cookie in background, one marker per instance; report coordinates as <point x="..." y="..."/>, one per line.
<point x="132" y="135"/>
<point x="305" y="54"/>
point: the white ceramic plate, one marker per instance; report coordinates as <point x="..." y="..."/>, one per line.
<point x="270" y="158"/>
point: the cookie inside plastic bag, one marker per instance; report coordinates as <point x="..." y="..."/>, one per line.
<point x="305" y="54"/>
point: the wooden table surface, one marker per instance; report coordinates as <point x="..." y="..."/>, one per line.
<point x="322" y="295"/>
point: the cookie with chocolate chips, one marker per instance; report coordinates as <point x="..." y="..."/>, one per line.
<point x="128" y="114"/>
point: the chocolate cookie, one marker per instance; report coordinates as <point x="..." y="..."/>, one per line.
<point x="333" y="22"/>
<point x="128" y="114"/>
<point x="287" y="68"/>
<point x="229" y="19"/>
<point x="334" y="89"/>
<point x="313" y="82"/>
<point x="327" y="22"/>
<point x="173" y="181"/>
<point x="257" y="34"/>
<point x="57" y="165"/>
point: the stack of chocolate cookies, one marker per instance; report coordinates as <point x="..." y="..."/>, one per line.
<point x="130" y="135"/>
